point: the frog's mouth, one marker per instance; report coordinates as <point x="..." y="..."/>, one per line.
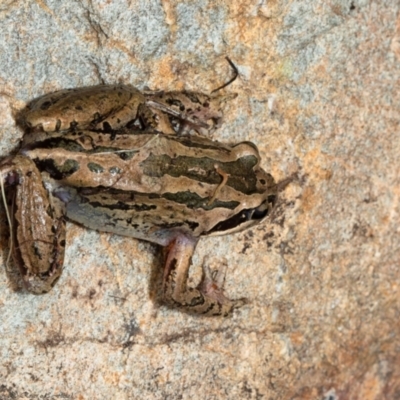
<point x="244" y="219"/>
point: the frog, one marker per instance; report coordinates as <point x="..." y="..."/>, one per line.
<point x="100" y="157"/>
<point x="123" y="106"/>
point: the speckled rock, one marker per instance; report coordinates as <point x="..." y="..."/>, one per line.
<point x="319" y="94"/>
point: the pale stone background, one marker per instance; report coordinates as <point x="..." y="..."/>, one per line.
<point x="319" y="94"/>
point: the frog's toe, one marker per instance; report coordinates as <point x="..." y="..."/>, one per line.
<point x="212" y="287"/>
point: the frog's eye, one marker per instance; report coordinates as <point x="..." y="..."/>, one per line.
<point x="244" y="219"/>
<point x="262" y="210"/>
<point x="259" y="213"/>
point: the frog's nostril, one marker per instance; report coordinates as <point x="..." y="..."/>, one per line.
<point x="46" y="105"/>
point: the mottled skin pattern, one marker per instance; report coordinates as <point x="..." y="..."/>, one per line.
<point x="99" y="156"/>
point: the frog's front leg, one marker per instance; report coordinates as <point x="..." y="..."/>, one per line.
<point x="208" y="297"/>
<point x="37" y="225"/>
<point x="179" y="112"/>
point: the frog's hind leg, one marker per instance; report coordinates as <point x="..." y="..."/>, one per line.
<point x="208" y="297"/>
<point x="37" y="225"/>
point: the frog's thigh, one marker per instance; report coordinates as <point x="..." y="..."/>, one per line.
<point x="151" y="117"/>
<point x="207" y="298"/>
<point x="130" y="113"/>
<point x="38" y="244"/>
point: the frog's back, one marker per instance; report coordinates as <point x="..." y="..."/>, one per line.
<point x="150" y="185"/>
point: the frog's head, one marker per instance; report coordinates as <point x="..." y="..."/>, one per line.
<point x="244" y="219"/>
<point x="252" y="211"/>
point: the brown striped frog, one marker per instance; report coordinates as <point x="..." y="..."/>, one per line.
<point x="117" y="160"/>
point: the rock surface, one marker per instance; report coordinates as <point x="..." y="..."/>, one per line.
<point x="319" y="94"/>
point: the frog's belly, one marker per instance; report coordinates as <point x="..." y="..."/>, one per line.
<point x="105" y="212"/>
<point x="121" y="223"/>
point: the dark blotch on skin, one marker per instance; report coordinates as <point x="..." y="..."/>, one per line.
<point x="46" y="105"/>
<point x="50" y="212"/>
<point x="209" y="308"/>
<point x="114" y="170"/>
<point x="197" y="301"/>
<point x="96" y="118"/>
<point x="127" y="155"/>
<point x="169" y="226"/>
<point x="96" y="168"/>
<point x="107" y="128"/>
<point x="57" y="172"/>
<point x="113" y="135"/>
<point x="176" y="103"/>
<point x="192" y="97"/>
<point x="192" y="225"/>
<point x="53" y="143"/>
<point x="73" y="125"/>
<point x="123" y="206"/>
<point x="172" y="265"/>
<point x="36" y="251"/>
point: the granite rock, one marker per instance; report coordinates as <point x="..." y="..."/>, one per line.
<point x="318" y="93"/>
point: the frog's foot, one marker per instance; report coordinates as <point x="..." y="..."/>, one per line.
<point x="212" y="286"/>
<point x="208" y="297"/>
